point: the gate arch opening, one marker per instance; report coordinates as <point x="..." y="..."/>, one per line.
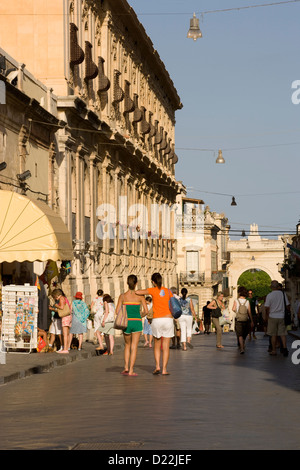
<point x="257" y="280"/>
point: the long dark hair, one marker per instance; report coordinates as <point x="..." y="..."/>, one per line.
<point x="132" y="281"/>
<point x="156" y="277"/>
<point x="184" y="293"/>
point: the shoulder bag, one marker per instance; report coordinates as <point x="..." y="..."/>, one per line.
<point x="287" y="313"/>
<point x="65" y="311"/>
<point x="149" y="315"/>
<point x="216" y="312"/>
<point x="121" y="320"/>
<point x="175" y="307"/>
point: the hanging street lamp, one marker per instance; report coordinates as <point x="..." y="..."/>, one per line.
<point x="194" y="31"/>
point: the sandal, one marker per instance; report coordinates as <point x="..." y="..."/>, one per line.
<point x="125" y="372"/>
<point x="132" y="375"/>
<point x="156" y="372"/>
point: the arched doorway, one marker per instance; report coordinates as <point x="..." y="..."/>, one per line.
<point x="257" y="280"/>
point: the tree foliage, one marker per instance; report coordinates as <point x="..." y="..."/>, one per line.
<point x="257" y="280"/>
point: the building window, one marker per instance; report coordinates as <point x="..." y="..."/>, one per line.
<point x="192" y="262"/>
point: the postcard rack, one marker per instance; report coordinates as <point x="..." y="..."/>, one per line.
<point x="19" y="320"/>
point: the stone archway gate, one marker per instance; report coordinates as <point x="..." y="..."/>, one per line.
<point x="254" y="252"/>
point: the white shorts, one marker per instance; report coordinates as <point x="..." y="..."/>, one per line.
<point x="55" y="327"/>
<point x="163" y="327"/>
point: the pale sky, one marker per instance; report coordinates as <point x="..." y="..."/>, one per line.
<point x="235" y="84"/>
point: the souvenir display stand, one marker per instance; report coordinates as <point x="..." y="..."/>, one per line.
<point x="19" y="318"/>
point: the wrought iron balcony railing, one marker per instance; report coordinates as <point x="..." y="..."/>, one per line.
<point x="192" y="276"/>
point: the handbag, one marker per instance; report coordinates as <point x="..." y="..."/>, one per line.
<point x="65" y="311"/>
<point x="287" y="313"/>
<point x="175" y="307"/>
<point x="121" y="320"/>
<point x="149" y="315"/>
<point x="216" y="312"/>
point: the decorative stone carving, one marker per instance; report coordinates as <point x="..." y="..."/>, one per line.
<point x="103" y="81"/>
<point x="118" y="92"/>
<point x="76" y="53"/>
<point x="91" y="69"/>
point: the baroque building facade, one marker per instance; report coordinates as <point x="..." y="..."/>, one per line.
<point x="112" y="167"/>
<point x="27" y="149"/>
<point x="202" y="244"/>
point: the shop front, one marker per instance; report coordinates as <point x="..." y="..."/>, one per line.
<point x="32" y="237"/>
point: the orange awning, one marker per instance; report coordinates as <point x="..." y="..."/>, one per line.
<point x="31" y="231"/>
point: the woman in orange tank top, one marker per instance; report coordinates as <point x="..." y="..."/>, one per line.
<point x="162" y="323"/>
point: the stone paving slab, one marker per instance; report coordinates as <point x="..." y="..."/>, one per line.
<point x="212" y="400"/>
<point x="21" y="365"/>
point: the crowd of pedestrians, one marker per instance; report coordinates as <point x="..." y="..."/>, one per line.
<point x="149" y="315"/>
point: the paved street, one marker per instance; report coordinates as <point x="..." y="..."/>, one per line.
<point x="212" y="400"/>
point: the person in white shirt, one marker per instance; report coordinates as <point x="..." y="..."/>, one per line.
<point x="97" y="308"/>
<point x="275" y="308"/>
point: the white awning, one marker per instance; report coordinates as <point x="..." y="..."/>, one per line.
<point x="31" y="231"/>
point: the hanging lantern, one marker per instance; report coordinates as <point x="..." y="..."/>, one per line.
<point x="233" y="203"/>
<point x="220" y="158"/>
<point x="194" y="31"/>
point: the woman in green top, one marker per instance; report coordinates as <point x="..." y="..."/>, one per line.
<point x="132" y="303"/>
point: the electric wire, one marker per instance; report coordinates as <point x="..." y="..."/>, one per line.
<point x="223" y="10"/>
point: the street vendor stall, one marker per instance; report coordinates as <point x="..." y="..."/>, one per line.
<point x="29" y="231"/>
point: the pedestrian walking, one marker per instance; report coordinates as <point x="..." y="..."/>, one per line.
<point x="254" y="312"/>
<point x="147" y="330"/>
<point x="62" y="304"/>
<point x="97" y="308"/>
<point x="262" y="314"/>
<point x="206" y="318"/>
<point x="133" y="303"/>
<point x="186" y="319"/>
<point x="217" y="305"/>
<point x="162" y="323"/>
<point x="242" y="309"/>
<point x="80" y="314"/>
<point x="107" y="324"/>
<point x="275" y="310"/>
<point x="55" y="329"/>
<point x="177" y="333"/>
